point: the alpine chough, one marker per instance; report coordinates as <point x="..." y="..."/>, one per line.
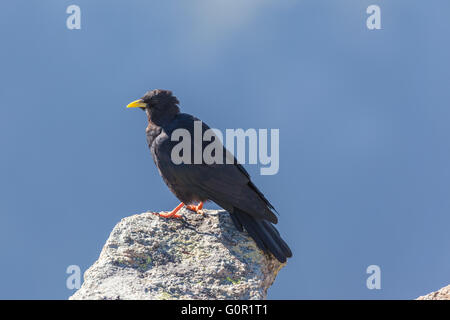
<point x="226" y="183"/>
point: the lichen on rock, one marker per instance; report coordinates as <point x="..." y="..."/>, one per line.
<point x="197" y="257"/>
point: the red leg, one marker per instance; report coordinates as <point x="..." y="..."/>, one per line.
<point x="197" y="209"/>
<point x="173" y="213"/>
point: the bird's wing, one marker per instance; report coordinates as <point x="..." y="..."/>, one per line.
<point x="228" y="185"/>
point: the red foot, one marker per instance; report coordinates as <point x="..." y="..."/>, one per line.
<point x="173" y="213"/>
<point x="197" y="209"/>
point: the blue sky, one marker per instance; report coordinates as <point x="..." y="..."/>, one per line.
<point x="363" y="118"/>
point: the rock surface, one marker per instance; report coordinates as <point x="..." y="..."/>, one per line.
<point x="442" y="294"/>
<point x="197" y="257"/>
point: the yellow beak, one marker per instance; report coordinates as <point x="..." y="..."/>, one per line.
<point x="137" y="104"/>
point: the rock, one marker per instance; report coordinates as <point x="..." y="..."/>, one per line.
<point x="442" y="294"/>
<point x="197" y="257"/>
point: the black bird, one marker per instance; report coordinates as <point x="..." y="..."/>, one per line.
<point x="227" y="184"/>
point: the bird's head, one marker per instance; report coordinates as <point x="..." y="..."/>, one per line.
<point x="160" y="105"/>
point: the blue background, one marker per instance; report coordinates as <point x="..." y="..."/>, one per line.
<point x="363" y="116"/>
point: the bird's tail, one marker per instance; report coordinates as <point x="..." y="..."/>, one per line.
<point x="264" y="233"/>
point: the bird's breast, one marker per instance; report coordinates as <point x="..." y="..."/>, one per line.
<point x="152" y="132"/>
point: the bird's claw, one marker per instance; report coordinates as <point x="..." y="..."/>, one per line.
<point x="172" y="214"/>
<point x="197" y="209"/>
<point x="169" y="215"/>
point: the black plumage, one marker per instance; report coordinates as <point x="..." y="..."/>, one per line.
<point x="228" y="185"/>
